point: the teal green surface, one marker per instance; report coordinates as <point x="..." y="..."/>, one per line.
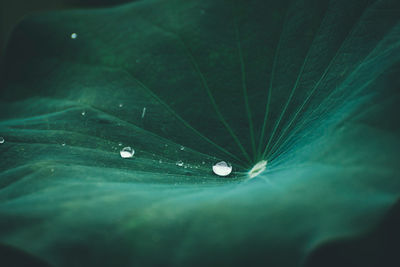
<point x="311" y="86"/>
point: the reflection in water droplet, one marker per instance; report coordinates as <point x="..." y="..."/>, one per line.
<point x="179" y="163"/>
<point x="127" y="152"/>
<point x="74" y="35"/>
<point x="222" y="168"/>
<point x="2" y="140"/>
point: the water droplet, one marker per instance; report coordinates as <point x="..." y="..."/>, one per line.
<point x="120" y="144"/>
<point x="127" y="152"/>
<point x="258" y="168"/>
<point x="120" y="105"/>
<point x="52" y="170"/>
<point x="159" y="161"/>
<point x="179" y="163"/>
<point x="222" y="168"/>
<point x="166" y="145"/>
<point x="2" y="140"/>
<point x="63" y="144"/>
<point x="203" y="162"/>
<point x="182" y="148"/>
<point x="74" y="35"/>
<point x="143" y="112"/>
<point x="83" y="113"/>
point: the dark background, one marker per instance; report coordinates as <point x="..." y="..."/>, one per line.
<point x="12" y="11"/>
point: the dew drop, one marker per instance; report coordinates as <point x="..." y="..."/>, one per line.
<point x="159" y="161"/>
<point x="222" y="168"/>
<point x="74" y="35"/>
<point x="182" y="148"/>
<point x="127" y="152"/>
<point x="83" y="113"/>
<point x="120" y="105"/>
<point x="143" y="112"/>
<point x="258" y="169"/>
<point x="179" y="163"/>
<point x="63" y="144"/>
<point x="120" y="144"/>
<point x="2" y="140"/>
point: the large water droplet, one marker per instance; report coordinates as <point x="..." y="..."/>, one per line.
<point x="127" y="152"/>
<point x="2" y="140"/>
<point x="222" y="168"/>
<point x="74" y="35"/>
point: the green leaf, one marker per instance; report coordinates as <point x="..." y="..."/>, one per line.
<point x="310" y="86"/>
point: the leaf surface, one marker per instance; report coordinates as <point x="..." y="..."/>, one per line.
<point x="310" y="86"/>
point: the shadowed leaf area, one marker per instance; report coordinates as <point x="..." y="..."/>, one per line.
<point x="310" y="86"/>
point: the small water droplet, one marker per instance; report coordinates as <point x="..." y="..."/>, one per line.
<point x="182" y="148"/>
<point x="120" y="144"/>
<point x="258" y="169"/>
<point x="83" y="113"/>
<point x="159" y="161"/>
<point x="120" y="105"/>
<point x="179" y="163"/>
<point x="74" y="35"/>
<point x="127" y="152"/>
<point x="63" y="144"/>
<point x="203" y="162"/>
<point x="2" y="140"/>
<point x="222" y="168"/>
<point x="166" y="145"/>
<point x="52" y="170"/>
<point x="143" y="112"/>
